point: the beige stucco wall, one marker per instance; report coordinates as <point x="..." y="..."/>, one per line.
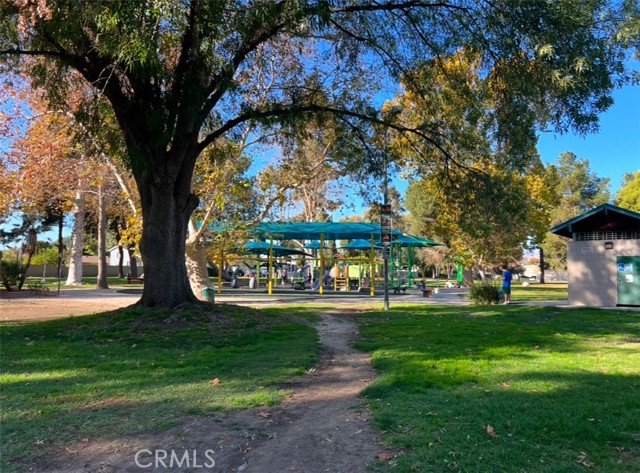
<point x="88" y="270"/>
<point x="593" y="271"/>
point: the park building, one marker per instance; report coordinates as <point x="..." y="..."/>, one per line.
<point x="603" y="257"/>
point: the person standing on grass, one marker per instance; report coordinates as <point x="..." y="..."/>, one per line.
<point x="506" y="284"/>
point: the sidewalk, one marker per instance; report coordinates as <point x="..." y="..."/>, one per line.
<point x="27" y="306"/>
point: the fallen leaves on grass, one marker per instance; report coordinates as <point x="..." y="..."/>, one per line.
<point x="215" y="381"/>
<point x="491" y="431"/>
<point x="384" y="456"/>
<point x="583" y="459"/>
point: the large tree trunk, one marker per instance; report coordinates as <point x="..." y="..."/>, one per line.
<point x="74" y="278"/>
<point x="197" y="267"/>
<point x="467" y="276"/>
<point x="60" y="248"/>
<point x="30" y="249"/>
<point x="196" y="260"/>
<point x="120" y="259"/>
<point x="3" y="277"/>
<point x="163" y="245"/>
<point x="116" y="230"/>
<point x="163" y="163"/>
<point x="102" y="282"/>
<point x="133" y="262"/>
<point x="541" y="266"/>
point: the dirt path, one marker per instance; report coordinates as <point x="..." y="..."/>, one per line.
<point x="321" y="427"/>
<point x="25" y="306"/>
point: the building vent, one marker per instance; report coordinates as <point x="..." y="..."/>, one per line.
<point x="601" y="236"/>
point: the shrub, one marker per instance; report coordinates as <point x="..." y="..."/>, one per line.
<point x="10" y="272"/>
<point x="484" y="294"/>
<point x="51" y="255"/>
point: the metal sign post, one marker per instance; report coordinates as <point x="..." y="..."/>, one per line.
<point x="385" y="238"/>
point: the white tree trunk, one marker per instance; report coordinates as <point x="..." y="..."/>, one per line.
<point x="74" y="277"/>
<point x="196" y="261"/>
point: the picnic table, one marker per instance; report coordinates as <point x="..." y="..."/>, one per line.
<point x="397" y="289"/>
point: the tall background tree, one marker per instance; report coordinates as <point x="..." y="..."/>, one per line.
<point x="176" y="74"/>
<point x="628" y="196"/>
<point x="579" y="190"/>
<point x="488" y="199"/>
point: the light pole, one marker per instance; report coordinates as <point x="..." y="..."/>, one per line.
<point x="385" y="229"/>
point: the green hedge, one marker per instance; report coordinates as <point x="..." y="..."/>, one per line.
<point x="484" y="294"/>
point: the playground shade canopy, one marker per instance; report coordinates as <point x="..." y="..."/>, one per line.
<point x="317" y="230"/>
<point x="315" y="245"/>
<point x="264" y="248"/>
<point x="359" y="245"/>
<point x="328" y="231"/>
<point x="407" y="240"/>
<point x="308" y="230"/>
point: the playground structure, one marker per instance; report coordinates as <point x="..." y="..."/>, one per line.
<point x="322" y="265"/>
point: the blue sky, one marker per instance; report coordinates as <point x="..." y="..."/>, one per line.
<point x="614" y="150"/>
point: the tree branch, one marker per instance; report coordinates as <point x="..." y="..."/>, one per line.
<point x="221" y="82"/>
<point x="36" y="52"/>
<point x="259" y="115"/>
<point x="390" y="6"/>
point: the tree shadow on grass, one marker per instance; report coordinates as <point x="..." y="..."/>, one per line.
<point x="462" y="332"/>
<point x="535" y="422"/>
<point x="507" y="389"/>
<point x="102" y="376"/>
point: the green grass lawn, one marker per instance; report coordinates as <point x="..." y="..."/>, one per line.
<point x="539" y="292"/>
<point x="506" y="389"/>
<point x="118" y="373"/>
<point x="87" y="283"/>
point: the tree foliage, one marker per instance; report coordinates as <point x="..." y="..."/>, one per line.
<point x="180" y="75"/>
<point x="306" y="182"/>
<point x="491" y="197"/>
<point x="395" y="200"/>
<point x="628" y="197"/>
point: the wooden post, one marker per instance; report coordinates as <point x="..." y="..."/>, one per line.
<point x="220" y="263"/>
<point x="346" y="276"/>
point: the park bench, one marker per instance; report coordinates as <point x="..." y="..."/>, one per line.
<point x="131" y="280"/>
<point x="397" y="289"/>
<point x="37" y="287"/>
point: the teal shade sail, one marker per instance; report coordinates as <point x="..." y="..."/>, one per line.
<point x="330" y="231"/>
<point x="315" y="245"/>
<point x="359" y="245"/>
<point x="263" y="248"/>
